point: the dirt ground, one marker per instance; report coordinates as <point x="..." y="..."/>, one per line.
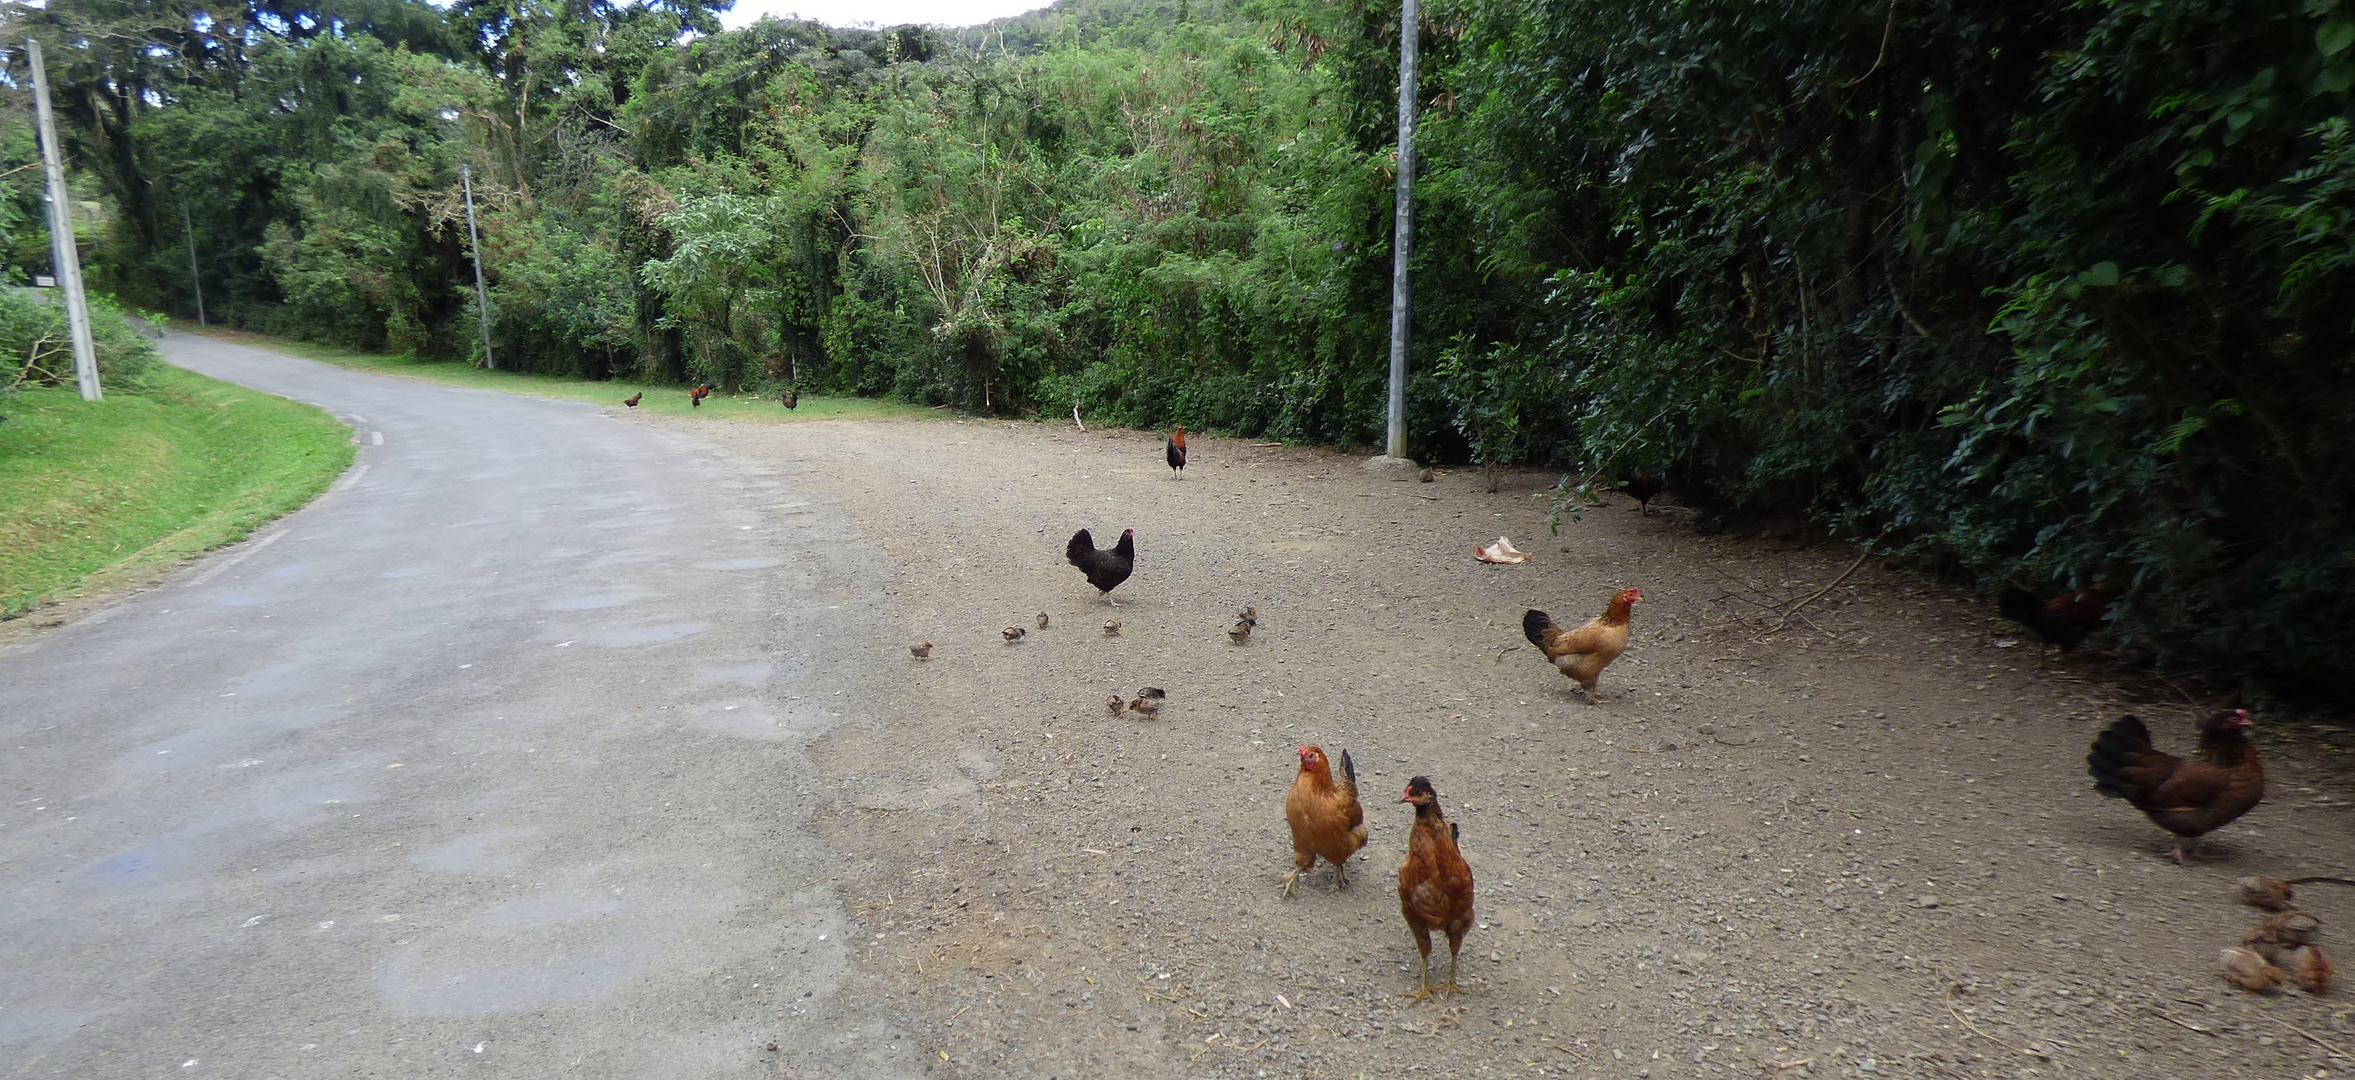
<point x="1862" y="844"/>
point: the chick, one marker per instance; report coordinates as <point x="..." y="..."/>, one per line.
<point x="2249" y="971"/>
<point x="1013" y="634"/>
<point x="1240" y="633"/>
<point x="2272" y="894"/>
<point x="2311" y="967"/>
<point x="2283" y="932"/>
<point x="1042" y="620"/>
<point x="1118" y="706"/>
<point x="1112" y="628"/>
<point x="1149" y="701"/>
<point x="1248" y="616"/>
<point x="921" y="650"/>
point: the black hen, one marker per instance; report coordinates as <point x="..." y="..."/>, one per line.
<point x="1643" y="489"/>
<point x="1105" y="569"/>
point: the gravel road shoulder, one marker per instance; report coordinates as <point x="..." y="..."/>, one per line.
<point x="1861" y="845"/>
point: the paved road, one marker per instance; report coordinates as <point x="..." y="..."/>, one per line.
<point x="489" y="762"/>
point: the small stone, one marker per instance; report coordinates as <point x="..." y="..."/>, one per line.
<point x="1925" y="900"/>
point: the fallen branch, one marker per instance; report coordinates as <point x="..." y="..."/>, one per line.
<point x="1663" y="748"/>
<point x="1075" y="416"/>
<point x="2184" y="1024"/>
<point x="2318" y="1040"/>
<point x="1818" y="594"/>
<point x="1966" y="1022"/>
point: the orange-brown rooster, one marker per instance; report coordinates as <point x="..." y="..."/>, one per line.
<point x="1175" y="450"/>
<point x="1434" y="883"/>
<point x="1583" y="653"/>
<point x="1326" y="819"/>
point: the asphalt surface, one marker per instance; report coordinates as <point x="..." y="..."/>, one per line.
<point x="492" y="761"/>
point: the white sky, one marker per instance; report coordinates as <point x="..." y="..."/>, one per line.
<point x="880" y="12"/>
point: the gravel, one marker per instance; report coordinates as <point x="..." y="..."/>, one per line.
<point x="1862" y="845"/>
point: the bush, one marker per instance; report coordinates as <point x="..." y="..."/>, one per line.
<point x="39" y="347"/>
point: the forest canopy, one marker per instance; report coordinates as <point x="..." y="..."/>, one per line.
<point x="2042" y="294"/>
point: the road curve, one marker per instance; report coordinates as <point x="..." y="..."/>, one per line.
<point x="491" y="761"/>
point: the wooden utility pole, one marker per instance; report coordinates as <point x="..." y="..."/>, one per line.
<point x="482" y="298"/>
<point x="194" y="276"/>
<point x="1402" y="240"/>
<point x="61" y="237"/>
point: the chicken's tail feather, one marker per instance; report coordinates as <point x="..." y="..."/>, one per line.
<point x="1534" y="625"/>
<point x="2020" y="606"/>
<point x="1081" y="546"/>
<point x="1349" y="768"/>
<point x="2112" y="751"/>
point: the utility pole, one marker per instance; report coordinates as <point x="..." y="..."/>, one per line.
<point x="61" y="237"/>
<point x="1402" y="242"/>
<point x="482" y="298"/>
<point x="189" y="227"/>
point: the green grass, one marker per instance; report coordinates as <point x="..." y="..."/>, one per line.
<point x="90" y="491"/>
<point x="669" y="400"/>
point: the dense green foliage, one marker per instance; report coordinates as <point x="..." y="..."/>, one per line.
<point x="2046" y="293"/>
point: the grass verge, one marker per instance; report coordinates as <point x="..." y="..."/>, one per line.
<point x="669" y="400"/>
<point x="92" y="491"/>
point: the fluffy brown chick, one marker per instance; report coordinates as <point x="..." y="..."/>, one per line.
<point x="2312" y="969"/>
<point x="2249" y="971"/>
<point x="2272" y="894"/>
<point x="1013" y="634"/>
<point x="1148" y="701"/>
<point x="2277" y="936"/>
<point x="1239" y="633"/>
<point x="921" y="650"/>
<point x="1116" y="705"/>
<point x="1042" y="620"/>
<point x="1112" y="628"/>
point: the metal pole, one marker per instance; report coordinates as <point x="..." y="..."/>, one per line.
<point x="1402" y="241"/>
<point x="61" y="238"/>
<point x="482" y="299"/>
<point x="189" y="227"/>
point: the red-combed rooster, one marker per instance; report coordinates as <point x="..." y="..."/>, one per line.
<point x="1176" y="451"/>
<point x="1583" y="653"/>
<point x="695" y="397"/>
